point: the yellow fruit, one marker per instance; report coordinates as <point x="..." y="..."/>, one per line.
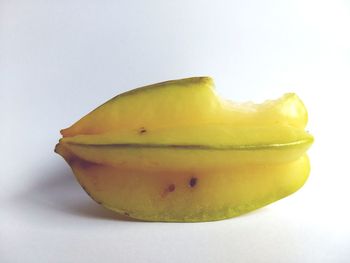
<point x="175" y="151"/>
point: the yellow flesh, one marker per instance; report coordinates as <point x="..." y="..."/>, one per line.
<point x="175" y="151"/>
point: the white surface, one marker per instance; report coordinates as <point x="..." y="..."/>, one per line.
<point x="61" y="59"/>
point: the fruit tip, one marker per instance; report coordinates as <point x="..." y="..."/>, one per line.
<point x="56" y="150"/>
<point x="65" y="132"/>
<point x="207" y="79"/>
<point x="59" y="147"/>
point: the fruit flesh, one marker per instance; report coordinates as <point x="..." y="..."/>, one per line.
<point x="175" y="151"/>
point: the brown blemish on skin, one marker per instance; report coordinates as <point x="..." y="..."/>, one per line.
<point x="82" y="163"/>
<point x="86" y="164"/>
<point x="169" y="189"/>
<point x="193" y="182"/>
<point x="126" y="214"/>
<point x="142" y="130"/>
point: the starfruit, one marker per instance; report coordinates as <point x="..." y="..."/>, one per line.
<point x="176" y="151"/>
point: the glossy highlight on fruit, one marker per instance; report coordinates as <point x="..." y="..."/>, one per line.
<point x="175" y="151"/>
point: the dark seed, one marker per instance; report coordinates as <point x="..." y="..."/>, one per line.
<point x="193" y="182"/>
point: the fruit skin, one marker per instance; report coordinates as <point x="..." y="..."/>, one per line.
<point x="175" y="151"/>
<point x="181" y="103"/>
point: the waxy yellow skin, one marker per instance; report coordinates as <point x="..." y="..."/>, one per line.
<point x="175" y="151"/>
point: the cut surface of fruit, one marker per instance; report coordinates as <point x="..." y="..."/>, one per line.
<point x="175" y="151"/>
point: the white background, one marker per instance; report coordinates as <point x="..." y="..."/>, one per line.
<point x="61" y="59"/>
